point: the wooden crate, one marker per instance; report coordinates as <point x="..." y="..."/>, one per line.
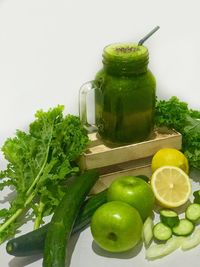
<point x="133" y="159"/>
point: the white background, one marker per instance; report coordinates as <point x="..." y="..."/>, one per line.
<point x="48" y="49"/>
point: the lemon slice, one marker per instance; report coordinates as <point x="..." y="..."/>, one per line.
<point x="171" y="186"/>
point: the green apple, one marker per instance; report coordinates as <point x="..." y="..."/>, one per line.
<point x="116" y="226"/>
<point x="133" y="191"/>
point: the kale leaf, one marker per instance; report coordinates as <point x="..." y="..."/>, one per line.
<point x="39" y="162"/>
<point x="176" y="114"/>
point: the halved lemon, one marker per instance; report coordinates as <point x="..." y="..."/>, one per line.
<point x="171" y="186"/>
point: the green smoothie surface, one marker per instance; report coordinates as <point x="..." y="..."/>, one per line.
<point x="125" y="51"/>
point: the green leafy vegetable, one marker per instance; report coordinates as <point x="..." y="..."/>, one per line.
<point x="38" y="164"/>
<point x="176" y="114"/>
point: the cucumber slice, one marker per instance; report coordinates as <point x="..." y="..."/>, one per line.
<point x="191" y="241"/>
<point x="162" y="232"/>
<point x="169" y="217"/>
<point x="158" y="251"/>
<point x="147" y="231"/>
<point x="192" y="212"/>
<point x="196" y="195"/>
<point x="184" y="228"/>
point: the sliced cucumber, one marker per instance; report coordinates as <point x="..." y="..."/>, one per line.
<point x="148" y="231"/>
<point x="162" y="232"/>
<point x="169" y="217"/>
<point x="192" y="212"/>
<point x="196" y="195"/>
<point x="184" y="228"/>
<point x="158" y="251"/>
<point x="191" y="241"/>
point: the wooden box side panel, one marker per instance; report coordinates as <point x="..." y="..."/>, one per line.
<point x="101" y="155"/>
<point x="105" y="180"/>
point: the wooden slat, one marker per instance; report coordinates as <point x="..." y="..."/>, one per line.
<point x="106" y="179"/>
<point x="99" y="155"/>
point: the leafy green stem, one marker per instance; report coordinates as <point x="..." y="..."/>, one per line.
<point x="39" y="216"/>
<point x="17" y="213"/>
<point x="42" y="168"/>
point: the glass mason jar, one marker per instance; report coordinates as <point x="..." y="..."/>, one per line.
<point x="125" y="95"/>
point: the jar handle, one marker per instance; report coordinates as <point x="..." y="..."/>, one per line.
<point x="84" y="90"/>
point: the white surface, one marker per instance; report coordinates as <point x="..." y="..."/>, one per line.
<point x="48" y="49"/>
<point x="84" y="252"/>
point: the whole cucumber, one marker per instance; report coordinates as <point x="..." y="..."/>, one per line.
<point x="61" y="225"/>
<point x="32" y="243"/>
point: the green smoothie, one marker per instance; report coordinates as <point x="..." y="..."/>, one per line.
<point x="125" y="98"/>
